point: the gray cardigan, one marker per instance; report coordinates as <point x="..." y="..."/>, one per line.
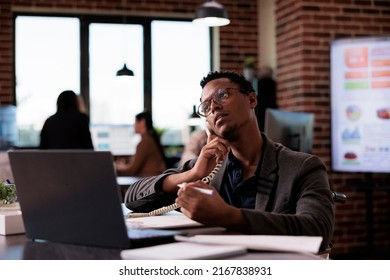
<point x="293" y="194"/>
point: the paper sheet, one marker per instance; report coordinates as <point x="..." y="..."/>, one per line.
<point x="286" y="243"/>
<point x="182" y="251"/>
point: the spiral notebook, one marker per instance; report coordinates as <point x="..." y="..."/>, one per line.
<point x="171" y="220"/>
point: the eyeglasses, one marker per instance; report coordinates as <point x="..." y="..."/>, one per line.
<point x="219" y="97"/>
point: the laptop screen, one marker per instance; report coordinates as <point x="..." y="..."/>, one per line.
<point x="69" y="196"/>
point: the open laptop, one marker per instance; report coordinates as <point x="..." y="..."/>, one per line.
<point x="71" y="196"/>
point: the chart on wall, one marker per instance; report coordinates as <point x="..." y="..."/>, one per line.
<point x="360" y="104"/>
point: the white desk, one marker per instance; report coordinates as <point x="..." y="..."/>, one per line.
<point x="123" y="184"/>
<point x="125" y="181"/>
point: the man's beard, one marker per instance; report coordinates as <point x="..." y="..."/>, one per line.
<point x="229" y="134"/>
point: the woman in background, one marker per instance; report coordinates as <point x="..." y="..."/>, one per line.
<point x="68" y="128"/>
<point x="149" y="158"/>
<point x="197" y="140"/>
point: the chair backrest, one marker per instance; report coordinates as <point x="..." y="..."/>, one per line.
<point x="339" y="197"/>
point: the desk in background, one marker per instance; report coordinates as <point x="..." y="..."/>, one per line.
<point x="126" y="181"/>
<point x="123" y="184"/>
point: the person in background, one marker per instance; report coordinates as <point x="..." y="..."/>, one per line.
<point x="81" y="105"/>
<point x="266" y="95"/>
<point x="192" y="149"/>
<point x="68" y="128"/>
<point x="261" y="187"/>
<point x="149" y="158"/>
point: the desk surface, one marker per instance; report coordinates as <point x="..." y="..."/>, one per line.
<point x="18" y="247"/>
<point x="126" y="180"/>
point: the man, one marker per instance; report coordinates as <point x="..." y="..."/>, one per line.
<point x="261" y="188"/>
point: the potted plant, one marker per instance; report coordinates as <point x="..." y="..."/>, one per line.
<point x="249" y="68"/>
<point x="7" y="193"/>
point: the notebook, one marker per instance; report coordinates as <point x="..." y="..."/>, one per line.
<point x="183" y="251"/>
<point x="71" y="196"/>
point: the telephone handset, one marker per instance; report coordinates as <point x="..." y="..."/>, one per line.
<point x="174" y="206"/>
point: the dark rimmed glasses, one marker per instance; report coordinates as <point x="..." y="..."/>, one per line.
<point x="219" y="97"/>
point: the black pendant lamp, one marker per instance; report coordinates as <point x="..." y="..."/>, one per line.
<point x="194" y="119"/>
<point x="211" y="13"/>
<point x="194" y="115"/>
<point x="125" y="71"/>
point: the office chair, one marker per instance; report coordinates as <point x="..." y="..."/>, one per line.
<point x="337" y="198"/>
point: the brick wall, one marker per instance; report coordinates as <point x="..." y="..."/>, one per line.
<point x="6" y="54"/>
<point x="304" y="30"/>
<point x="243" y="14"/>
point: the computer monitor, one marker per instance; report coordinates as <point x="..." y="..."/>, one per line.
<point x="292" y="129"/>
<point x="119" y="139"/>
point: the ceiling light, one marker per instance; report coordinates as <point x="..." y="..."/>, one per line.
<point x="125" y="71"/>
<point x="211" y="13"/>
<point x="194" y="119"/>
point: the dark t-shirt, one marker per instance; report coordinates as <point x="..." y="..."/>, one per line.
<point x="236" y="191"/>
<point x="66" y="130"/>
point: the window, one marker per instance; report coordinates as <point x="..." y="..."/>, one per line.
<point x="115" y="100"/>
<point x="168" y="57"/>
<point x="181" y="57"/>
<point x="47" y="52"/>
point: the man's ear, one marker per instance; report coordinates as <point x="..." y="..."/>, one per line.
<point x="252" y="99"/>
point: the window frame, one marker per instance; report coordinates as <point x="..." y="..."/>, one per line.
<point x="85" y="21"/>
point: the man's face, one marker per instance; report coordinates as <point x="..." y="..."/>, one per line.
<point x="228" y="116"/>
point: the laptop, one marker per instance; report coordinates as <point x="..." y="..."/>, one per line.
<point x="71" y="196"/>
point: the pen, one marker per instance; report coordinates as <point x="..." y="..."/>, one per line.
<point x="205" y="191"/>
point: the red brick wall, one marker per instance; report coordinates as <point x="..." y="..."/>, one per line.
<point x="304" y="30"/>
<point x="243" y="14"/>
<point x="6" y="54"/>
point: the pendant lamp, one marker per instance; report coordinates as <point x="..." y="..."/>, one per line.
<point x="194" y="119"/>
<point x="194" y="115"/>
<point x="211" y="13"/>
<point x="125" y="71"/>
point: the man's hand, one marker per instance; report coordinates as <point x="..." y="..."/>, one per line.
<point x="208" y="209"/>
<point x="212" y="153"/>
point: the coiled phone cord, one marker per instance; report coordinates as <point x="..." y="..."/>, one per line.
<point x="174" y="206"/>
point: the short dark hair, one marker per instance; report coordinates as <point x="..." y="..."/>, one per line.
<point x="245" y="85"/>
<point x="67" y="101"/>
